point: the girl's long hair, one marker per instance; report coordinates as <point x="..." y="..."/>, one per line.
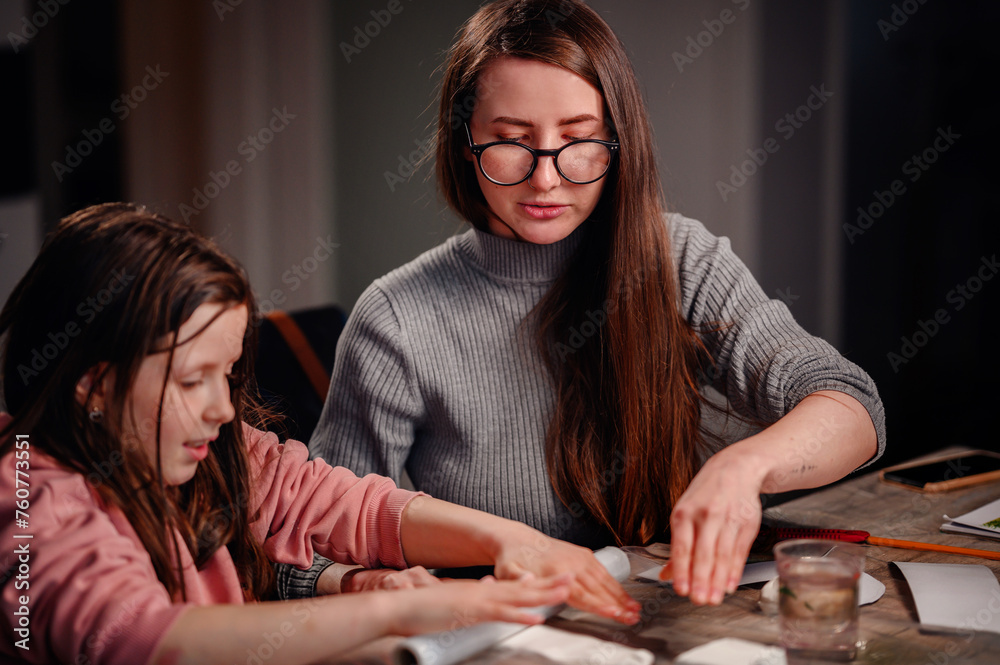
<point x="112" y="284"/>
<point x="625" y="436"/>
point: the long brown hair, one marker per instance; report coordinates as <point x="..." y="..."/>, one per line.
<point x="625" y="435"/>
<point x="112" y="284"/>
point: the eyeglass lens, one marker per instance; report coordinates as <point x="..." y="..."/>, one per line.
<point x="579" y="162"/>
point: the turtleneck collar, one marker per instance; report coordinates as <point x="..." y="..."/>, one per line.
<point x="515" y="260"/>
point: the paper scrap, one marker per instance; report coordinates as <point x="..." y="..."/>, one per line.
<point x="983" y="521"/>
<point x="956" y="596"/>
<point x="869" y="590"/>
<point x="752" y="573"/>
<point x="733" y="651"/>
<point x="568" y="648"/>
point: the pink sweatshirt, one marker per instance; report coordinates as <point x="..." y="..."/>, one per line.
<point x="82" y="588"/>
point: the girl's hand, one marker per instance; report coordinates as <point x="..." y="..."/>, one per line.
<point x="462" y="603"/>
<point x="593" y="590"/>
<point x="387" y="579"/>
<point x="712" y="528"/>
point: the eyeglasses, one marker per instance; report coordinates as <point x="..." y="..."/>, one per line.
<point x="509" y="163"/>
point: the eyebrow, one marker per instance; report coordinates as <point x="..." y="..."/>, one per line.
<point x="518" y="122"/>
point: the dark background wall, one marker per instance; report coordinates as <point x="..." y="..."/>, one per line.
<point x="932" y="77"/>
<point x="903" y="74"/>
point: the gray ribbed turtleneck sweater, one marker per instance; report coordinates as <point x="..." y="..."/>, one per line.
<point x="435" y="374"/>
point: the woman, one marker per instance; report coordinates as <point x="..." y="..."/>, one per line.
<point x="148" y="512"/>
<point x="547" y="364"/>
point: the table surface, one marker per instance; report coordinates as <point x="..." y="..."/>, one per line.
<point x="671" y="625"/>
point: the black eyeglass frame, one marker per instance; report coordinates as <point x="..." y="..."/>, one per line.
<point x="478" y="148"/>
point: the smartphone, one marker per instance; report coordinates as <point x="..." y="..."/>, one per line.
<point x="942" y="474"/>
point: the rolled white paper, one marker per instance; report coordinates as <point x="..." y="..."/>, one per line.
<point x="615" y="561"/>
<point x="452" y="646"/>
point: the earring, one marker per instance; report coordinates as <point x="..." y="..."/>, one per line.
<point x="96" y="415"/>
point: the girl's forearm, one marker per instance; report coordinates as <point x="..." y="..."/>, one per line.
<point x="296" y="631"/>
<point x="438" y="534"/>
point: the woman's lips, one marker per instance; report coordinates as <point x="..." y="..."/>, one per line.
<point x="542" y="211"/>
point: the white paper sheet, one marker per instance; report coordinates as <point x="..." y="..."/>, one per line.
<point x="869" y="590"/>
<point x="732" y="651"/>
<point x="981" y="521"/>
<point x="752" y="573"/>
<point x="954" y="595"/>
<point x="568" y="648"/>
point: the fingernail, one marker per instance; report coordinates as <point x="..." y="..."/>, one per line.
<point x="716" y="596"/>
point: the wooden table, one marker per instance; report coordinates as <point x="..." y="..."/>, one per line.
<point x="671" y="625"/>
<point x="889" y="626"/>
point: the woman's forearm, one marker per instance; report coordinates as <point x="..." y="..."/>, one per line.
<point x="826" y="436"/>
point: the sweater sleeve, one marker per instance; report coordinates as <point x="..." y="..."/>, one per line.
<point x="765" y="362"/>
<point x="372" y="412"/>
<point x="78" y="588"/>
<point x="304" y="505"/>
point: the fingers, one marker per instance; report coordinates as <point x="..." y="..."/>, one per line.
<point x="703" y="561"/>
<point x="526" y="592"/>
<point x="462" y="603"/>
<point x="681" y="539"/>
<point x="708" y="553"/>
<point x="596" y="591"/>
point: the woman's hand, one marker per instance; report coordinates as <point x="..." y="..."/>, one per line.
<point x="379" y="579"/>
<point x="712" y="528"/>
<point x="713" y="525"/>
<point x="462" y="603"/>
<point x="593" y="590"/>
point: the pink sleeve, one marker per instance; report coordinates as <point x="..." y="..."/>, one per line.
<point x="86" y="592"/>
<point x="306" y="504"/>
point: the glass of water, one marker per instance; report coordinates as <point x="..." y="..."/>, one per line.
<point x="818" y="597"/>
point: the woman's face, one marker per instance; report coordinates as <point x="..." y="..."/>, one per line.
<point x="196" y="402"/>
<point x="544" y="107"/>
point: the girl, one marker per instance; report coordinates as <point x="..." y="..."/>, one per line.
<point x="546" y="365"/>
<point x="149" y="510"/>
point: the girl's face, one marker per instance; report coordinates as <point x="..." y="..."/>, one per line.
<point x="196" y="402"/>
<point x="544" y="107"/>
